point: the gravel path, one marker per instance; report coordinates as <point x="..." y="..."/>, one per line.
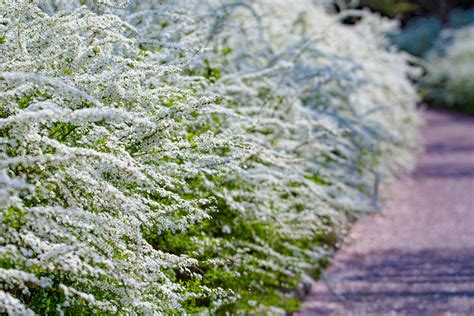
<point x="417" y="258"/>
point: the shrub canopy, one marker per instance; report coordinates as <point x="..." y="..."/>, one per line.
<point x="188" y="156"/>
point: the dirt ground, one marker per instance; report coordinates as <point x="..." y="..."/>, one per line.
<point x="417" y="257"/>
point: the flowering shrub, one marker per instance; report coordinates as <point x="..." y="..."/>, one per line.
<point x="450" y="72"/>
<point x="187" y="156"/>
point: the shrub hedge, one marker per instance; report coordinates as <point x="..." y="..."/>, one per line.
<point x="188" y="157"/>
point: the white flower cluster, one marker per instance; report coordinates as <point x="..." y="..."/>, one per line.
<point x="187" y="156"/>
<point x="450" y="73"/>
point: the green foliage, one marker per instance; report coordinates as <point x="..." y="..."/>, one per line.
<point x="391" y="8"/>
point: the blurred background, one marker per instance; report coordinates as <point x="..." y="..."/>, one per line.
<point x="440" y="34"/>
<point x="407" y="10"/>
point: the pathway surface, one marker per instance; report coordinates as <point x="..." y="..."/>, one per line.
<point x="416" y="258"/>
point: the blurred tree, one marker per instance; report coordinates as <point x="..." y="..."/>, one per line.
<point x="407" y="9"/>
<point x="390" y="8"/>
